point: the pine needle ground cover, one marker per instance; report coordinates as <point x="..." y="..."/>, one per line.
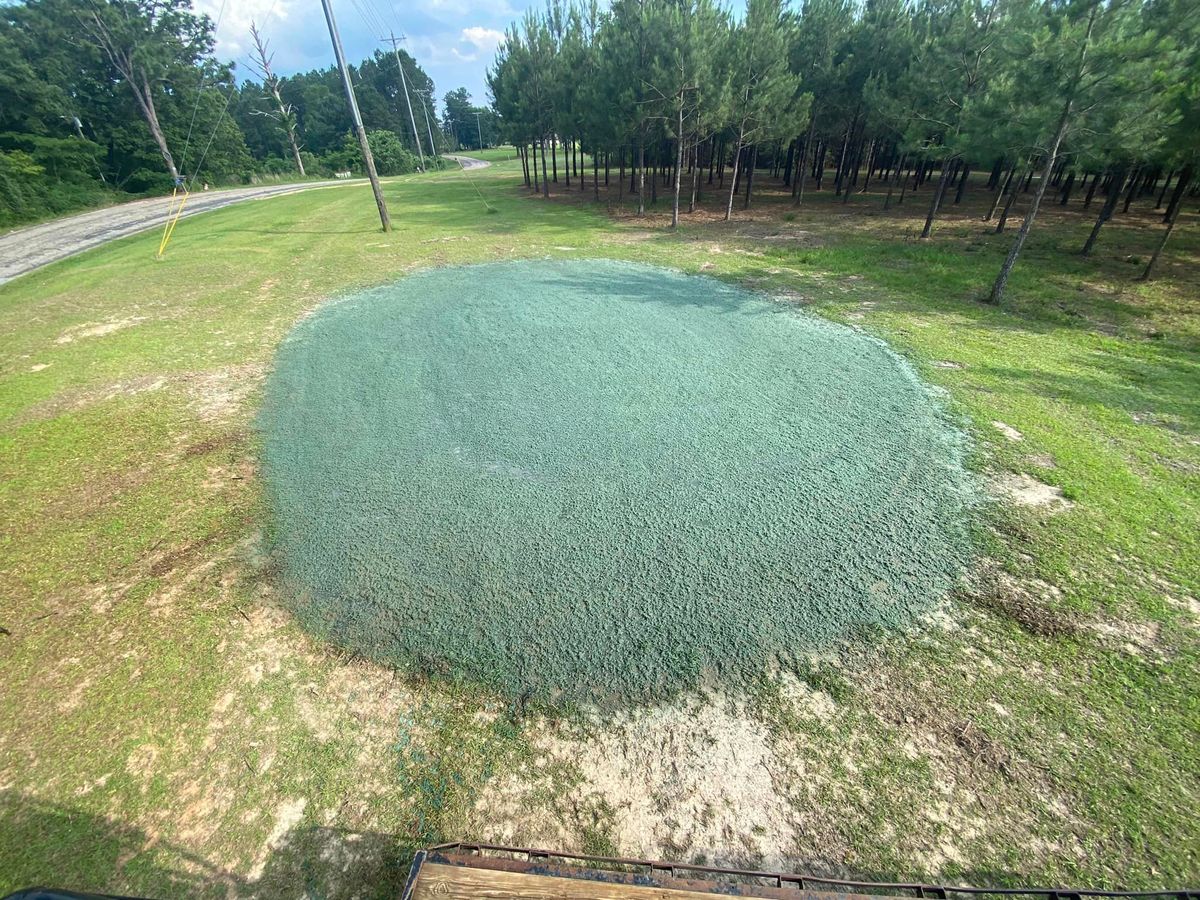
<point x="593" y="480"/>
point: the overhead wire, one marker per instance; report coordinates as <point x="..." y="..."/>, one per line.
<point x="179" y="201"/>
<point x="199" y="94"/>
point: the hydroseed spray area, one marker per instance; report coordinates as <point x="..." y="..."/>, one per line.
<point x="592" y="480"/>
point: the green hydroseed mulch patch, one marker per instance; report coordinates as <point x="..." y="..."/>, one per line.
<point x="596" y="480"/>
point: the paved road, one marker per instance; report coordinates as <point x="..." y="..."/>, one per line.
<point x="468" y="162"/>
<point x="27" y="249"/>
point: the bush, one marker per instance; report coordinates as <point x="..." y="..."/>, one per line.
<point x="391" y="157"/>
<point x="28" y="192"/>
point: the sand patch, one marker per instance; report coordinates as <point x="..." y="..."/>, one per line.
<point x="222" y="393"/>
<point x="1008" y="431"/>
<point x="287" y="816"/>
<point x="1025" y="490"/>
<point x="677" y="781"/>
<point x="1140" y="639"/>
<point x="96" y="329"/>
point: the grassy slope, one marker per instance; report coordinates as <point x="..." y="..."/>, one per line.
<point x="161" y="721"/>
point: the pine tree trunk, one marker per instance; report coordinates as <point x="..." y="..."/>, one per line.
<point x="596" y="172"/>
<point x="1163" y="192"/>
<point x="695" y="178"/>
<point x="837" y="180"/>
<point x="798" y="188"/>
<point x="1181" y="186"/>
<point x="678" y="164"/>
<point x="1000" y="191"/>
<point x="1008" y="204"/>
<point x="641" y="174"/>
<point x="1133" y="183"/>
<point x="962" y="183"/>
<point x="997" y="294"/>
<point x="1148" y="273"/>
<point x="534" y="154"/>
<point x="545" y="180"/>
<point x="1066" y="190"/>
<point x="733" y="180"/>
<point x="870" y="166"/>
<point x="553" y="160"/>
<point x="997" y="174"/>
<point x="887" y="203"/>
<point x="1091" y="191"/>
<point x="936" y="202"/>
<point x="1106" y="211"/>
<point x="750" y="164"/>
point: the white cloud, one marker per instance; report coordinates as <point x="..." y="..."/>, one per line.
<point x="483" y="39"/>
<point x="233" y="18"/>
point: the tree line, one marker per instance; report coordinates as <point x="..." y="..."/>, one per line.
<point x="1086" y="96"/>
<point x="104" y="98"/>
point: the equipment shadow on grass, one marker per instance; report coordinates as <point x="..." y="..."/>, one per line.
<point x="46" y="845"/>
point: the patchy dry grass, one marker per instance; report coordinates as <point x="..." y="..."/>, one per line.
<point x="167" y="729"/>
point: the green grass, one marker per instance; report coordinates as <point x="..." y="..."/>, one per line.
<point x="163" y="720"/>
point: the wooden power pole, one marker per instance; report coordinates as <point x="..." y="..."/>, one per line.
<point x="368" y="160"/>
<point x="395" y="42"/>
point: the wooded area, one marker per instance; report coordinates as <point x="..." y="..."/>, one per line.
<point x="102" y="99"/>
<point x="1095" y="98"/>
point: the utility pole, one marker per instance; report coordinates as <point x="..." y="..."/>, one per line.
<point x="425" y="106"/>
<point x="480" y="129"/>
<point x="395" y="41"/>
<point x="368" y="160"/>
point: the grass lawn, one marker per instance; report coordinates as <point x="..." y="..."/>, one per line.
<point x="166" y="728"/>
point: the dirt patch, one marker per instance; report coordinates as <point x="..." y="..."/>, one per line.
<point x="166" y="563"/>
<point x="979" y="746"/>
<point x="1008" y="431"/>
<point x="1025" y="490"/>
<point x="229" y="440"/>
<point x="96" y="329"/>
<point x="288" y="815"/>
<point x="222" y="393"/>
<point x="946" y="364"/>
<point x="1140" y="639"/>
<point x="669" y="782"/>
<point x="75" y="399"/>
<point x="1033" y="604"/>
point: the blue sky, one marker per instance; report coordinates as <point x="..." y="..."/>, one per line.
<point x="453" y="40"/>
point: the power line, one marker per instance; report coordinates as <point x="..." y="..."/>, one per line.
<point x="395" y="42"/>
<point x="368" y="160"/>
<point x="199" y="93"/>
